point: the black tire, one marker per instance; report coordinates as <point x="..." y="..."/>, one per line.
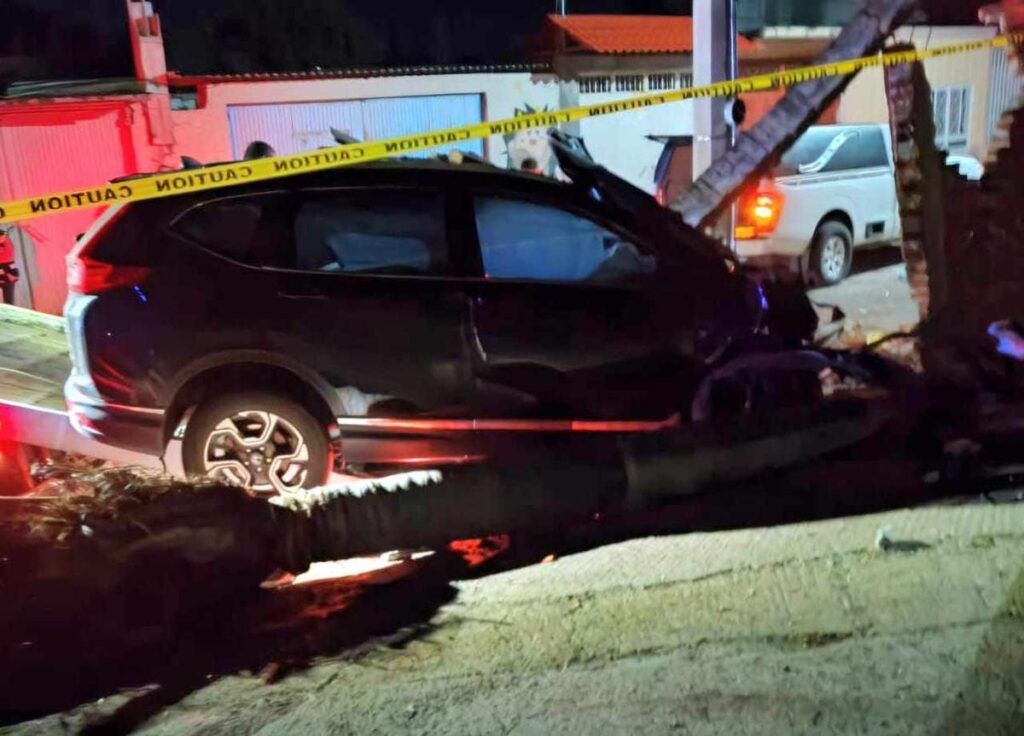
<point x="210" y="414"/>
<point x="824" y="268"/>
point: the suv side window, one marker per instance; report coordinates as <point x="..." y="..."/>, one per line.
<point x="525" y="240"/>
<point x="382" y="231"/>
<point x="251" y="229"/>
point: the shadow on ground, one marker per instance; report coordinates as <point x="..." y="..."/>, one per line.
<point x="872" y="259"/>
<point x="997" y="672"/>
<point x="276" y="631"/>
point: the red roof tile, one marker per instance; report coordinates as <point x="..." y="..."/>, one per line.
<point x="629" y="34"/>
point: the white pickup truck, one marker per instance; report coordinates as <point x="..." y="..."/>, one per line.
<point x="833" y="191"/>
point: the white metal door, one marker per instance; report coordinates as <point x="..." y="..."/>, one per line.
<point x="393" y="116"/>
<point x="295" y="127"/>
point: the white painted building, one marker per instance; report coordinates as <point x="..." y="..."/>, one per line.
<point x="585" y="60"/>
<point x="970" y="91"/>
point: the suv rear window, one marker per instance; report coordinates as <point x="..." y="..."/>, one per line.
<point x="252" y="229"/>
<point x="834" y="148"/>
<point x="127" y="234"/>
<point x="389" y="232"/>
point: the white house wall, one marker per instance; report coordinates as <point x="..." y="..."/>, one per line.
<point x="617" y="141"/>
<point x="205" y="133"/>
<point x="864" y="100"/>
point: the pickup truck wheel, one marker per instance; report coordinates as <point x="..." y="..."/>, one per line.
<point x="261" y="441"/>
<point x="831" y="254"/>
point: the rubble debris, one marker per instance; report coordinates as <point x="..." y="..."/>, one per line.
<point x="964" y="263"/>
<point x="883" y="539"/>
<point x="918" y="165"/>
<point x="885" y="542"/>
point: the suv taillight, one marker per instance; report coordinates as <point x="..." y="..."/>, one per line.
<point x="88" y="274"/>
<point x="758" y="214"/>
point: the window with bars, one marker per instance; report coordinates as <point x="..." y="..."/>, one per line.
<point x="657" y="82"/>
<point x="952" y="109"/>
<point x="629" y="83"/>
<point x="685" y="80"/>
<point x="591" y="85"/>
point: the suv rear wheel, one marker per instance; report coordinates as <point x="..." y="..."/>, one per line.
<point x="262" y="441"/>
<point x="831" y="254"/>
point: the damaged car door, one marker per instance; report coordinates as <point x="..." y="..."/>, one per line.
<point x="571" y="314"/>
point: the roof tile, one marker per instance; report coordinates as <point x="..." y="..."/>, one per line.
<point x="630" y="34"/>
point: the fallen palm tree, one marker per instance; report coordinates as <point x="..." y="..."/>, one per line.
<point x="163" y="549"/>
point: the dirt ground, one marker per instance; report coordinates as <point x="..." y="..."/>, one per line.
<point x="901" y="622"/>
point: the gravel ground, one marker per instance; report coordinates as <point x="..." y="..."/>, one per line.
<point x="807" y="628"/>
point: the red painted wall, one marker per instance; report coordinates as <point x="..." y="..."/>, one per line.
<point x="53" y="146"/>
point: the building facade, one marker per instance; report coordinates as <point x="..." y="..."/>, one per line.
<point x="55" y="137"/>
<point x="753" y="16"/>
<point x="970" y="91"/>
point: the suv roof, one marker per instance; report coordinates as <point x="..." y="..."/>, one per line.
<point x="385" y="171"/>
<point x="468" y="164"/>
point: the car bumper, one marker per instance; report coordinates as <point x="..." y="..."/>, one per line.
<point x="770" y="247"/>
<point x="128" y="427"/>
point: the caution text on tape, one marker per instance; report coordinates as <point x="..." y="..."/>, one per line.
<point x="232" y="174"/>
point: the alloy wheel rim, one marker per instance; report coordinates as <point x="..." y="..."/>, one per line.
<point x="833" y="258"/>
<point x="258" y="450"/>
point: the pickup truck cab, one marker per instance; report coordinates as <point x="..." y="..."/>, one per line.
<point x="833" y="191"/>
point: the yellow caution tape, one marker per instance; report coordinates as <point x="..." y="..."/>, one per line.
<point x="245" y="172"/>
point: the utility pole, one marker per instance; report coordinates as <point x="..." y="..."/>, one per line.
<point x="714" y="60"/>
<point x="560" y="7"/>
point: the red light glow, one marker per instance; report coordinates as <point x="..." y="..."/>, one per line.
<point x="758" y="214"/>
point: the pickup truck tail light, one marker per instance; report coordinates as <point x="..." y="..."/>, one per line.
<point x="758" y="214"/>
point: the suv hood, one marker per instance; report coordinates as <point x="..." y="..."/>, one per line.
<point x="779" y="297"/>
<point x="577" y="164"/>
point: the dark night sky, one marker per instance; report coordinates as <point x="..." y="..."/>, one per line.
<point x="61" y="39"/>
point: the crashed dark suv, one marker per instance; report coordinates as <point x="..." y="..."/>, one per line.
<point x="400" y="313"/>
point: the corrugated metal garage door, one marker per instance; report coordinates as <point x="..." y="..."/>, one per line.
<point x="305" y="126"/>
